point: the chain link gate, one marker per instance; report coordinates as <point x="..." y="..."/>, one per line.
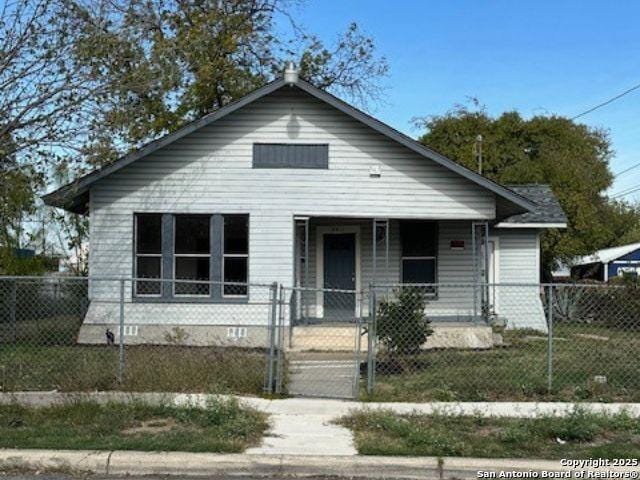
<point x="316" y="342"/>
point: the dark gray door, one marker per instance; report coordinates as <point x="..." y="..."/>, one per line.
<point x="339" y="273"/>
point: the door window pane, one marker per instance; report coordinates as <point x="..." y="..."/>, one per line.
<point x="192" y="234"/>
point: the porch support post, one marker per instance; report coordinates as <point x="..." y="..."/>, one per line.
<point x="301" y="278"/>
<point x="486" y="271"/>
<point x="380" y="223"/>
<point x="474" y="248"/>
<point x="374" y="247"/>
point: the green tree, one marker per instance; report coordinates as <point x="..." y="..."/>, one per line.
<point x="571" y="157"/>
<point x="158" y="64"/>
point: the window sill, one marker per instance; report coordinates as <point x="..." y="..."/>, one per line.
<point x="209" y="300"/>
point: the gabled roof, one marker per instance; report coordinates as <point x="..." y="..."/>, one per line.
<point x="74" y="196"/>
<point x="607" y="255"/>
<point x="547" y="214"/>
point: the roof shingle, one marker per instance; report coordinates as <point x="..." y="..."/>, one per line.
<point x="548" y="211"/>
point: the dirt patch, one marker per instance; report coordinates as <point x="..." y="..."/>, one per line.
<point x="154" y="426"/>
<point x="489" y="430"/>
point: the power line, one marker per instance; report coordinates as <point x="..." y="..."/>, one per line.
<point x="624" y="193"/>
<point x="607" y="102"/>
<point x="626" y="170"/>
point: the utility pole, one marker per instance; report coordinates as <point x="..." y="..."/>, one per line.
<point x="478" y="152"/>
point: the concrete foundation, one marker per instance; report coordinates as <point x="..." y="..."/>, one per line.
<point x="325" y="338"/>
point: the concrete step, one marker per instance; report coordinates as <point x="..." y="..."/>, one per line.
<point x="343" y="338"/>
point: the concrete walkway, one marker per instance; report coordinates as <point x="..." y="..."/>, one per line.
<point x="304" y="434"/>
<point x="322" y="378"/>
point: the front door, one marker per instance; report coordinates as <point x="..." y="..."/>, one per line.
<point x="339" y="274"/>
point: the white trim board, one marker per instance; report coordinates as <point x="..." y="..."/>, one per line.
<point x="496" y="271"/>
<point x="529" y="225"/>
<point x="321" y="231"/>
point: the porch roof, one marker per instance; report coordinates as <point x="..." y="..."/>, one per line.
<point x="547" y="214"/>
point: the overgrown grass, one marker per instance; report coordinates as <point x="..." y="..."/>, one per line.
<point x="223" y="426"/>
<point x="518" y="370"/>
<point x="579" y="435"/>
<point x="147" y="368"/>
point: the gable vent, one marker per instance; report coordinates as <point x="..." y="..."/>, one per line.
<point x="290" y="155"/>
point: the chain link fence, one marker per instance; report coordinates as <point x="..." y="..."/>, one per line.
<point x="100" y="334"/>
<point x="505" y="342"/>
<point x="387" y="342"/>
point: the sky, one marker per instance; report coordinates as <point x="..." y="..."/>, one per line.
<point x="559" y="57"/>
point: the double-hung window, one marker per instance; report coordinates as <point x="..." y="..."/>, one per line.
<point x="192" y="254"/>
<point x="419" y="252"/>
<point x="235" y="255"/>
<point x="148" y="254"/>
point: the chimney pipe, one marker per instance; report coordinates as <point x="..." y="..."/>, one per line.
<point x="291" y="74"/>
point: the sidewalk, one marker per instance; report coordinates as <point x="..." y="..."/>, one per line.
<point x="335" y="408"/>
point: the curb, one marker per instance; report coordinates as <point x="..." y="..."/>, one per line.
<point x="200" y="464"/>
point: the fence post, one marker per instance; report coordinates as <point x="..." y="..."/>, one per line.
<point x="272" y="335"/>
<point x="550" y="339"/>
<point x="121" y="335"/>
<point x="370" y="339"/>
<point x="12" y="310"/>
<point x="280" y="337"/>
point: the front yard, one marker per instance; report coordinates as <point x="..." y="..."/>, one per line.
<point x="580" y="435"/>
<point x="222" y="426"/>
<point x="589" y="363"/>
<point x="147" y="368"/>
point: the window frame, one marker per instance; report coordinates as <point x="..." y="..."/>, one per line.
<point x="137" y="255"/>
<point x="167" y="279"/>
<point x="414" y="257"/>
<point x="432" y="291"/>
<point x="175" y="256"/>
<point x="224" y="256"/>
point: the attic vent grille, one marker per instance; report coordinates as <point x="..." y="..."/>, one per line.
<point x="290" y="155"/>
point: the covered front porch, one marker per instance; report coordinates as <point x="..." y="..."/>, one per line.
<point x="335" y="257"/>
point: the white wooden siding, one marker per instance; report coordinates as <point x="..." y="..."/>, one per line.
<point x="209" y="171"/>
<point x="520" y="306"/>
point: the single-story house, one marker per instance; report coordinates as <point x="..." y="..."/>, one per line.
<point x="288" y="184"/>
<point x="608" y="263"/>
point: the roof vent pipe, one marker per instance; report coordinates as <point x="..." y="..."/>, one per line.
<point x="291" y="74"/>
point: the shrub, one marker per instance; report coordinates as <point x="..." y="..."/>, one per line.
<point x="402" y="324"/>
